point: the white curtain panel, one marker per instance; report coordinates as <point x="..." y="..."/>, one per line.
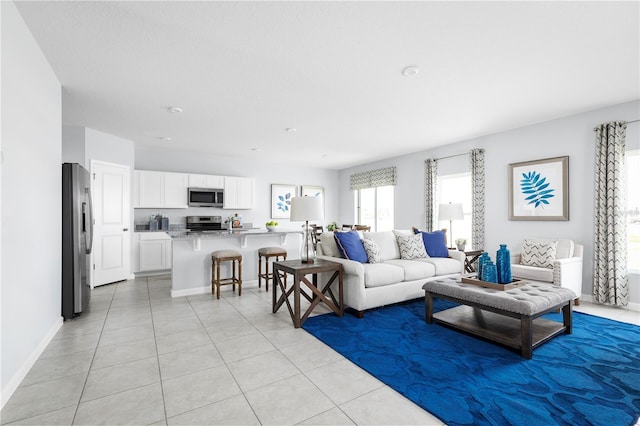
<point x="610" y="246"/>
<point x="476" y="158"/>
<point x="430" y="193"/>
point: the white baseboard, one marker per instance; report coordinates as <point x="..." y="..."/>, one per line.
<point x="17" y="378"/>
<point x="630" y="306"/>
<point x="207" y="289"/>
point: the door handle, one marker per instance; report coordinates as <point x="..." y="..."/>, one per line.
<point x="125" y="229"/>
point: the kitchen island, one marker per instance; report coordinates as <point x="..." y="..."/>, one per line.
<point x="191" y="259"/>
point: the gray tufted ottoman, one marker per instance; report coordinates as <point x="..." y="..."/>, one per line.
<point x="502" y="316"/>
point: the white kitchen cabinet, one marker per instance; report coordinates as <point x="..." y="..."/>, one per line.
<point x="239" y="192"/>
<point x="206" y="181"/>
<point x="155" y="189"/>
<point x="154" y="251"/>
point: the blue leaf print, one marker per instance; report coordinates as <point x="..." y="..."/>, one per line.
<point x="284" y="202"/>
<point x="536" y="189"/>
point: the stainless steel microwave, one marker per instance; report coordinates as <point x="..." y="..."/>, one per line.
<point x="206" y="197"/>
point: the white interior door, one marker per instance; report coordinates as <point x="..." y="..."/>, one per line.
<point x="111" y="189"/>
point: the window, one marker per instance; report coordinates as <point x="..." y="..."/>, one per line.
<point x="374" y="207"/>
<point x="456" y="188"/>
<point x="633" y="210"/>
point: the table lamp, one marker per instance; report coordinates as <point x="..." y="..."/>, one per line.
<point x="450" y="212"/>
<point x="306" y="209"/>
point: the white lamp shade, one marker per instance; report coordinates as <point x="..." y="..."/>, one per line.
<point x="450" y="211"/>
<point x="306" y="208"/>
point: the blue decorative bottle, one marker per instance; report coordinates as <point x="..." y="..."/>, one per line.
<point x="481" y="261"/>
<point x="489" y="272"/>
<point x="503" y="264"/>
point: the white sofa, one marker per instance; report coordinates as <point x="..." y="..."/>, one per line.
<point x="371" y="285"/>
<point x="564" y="271"/>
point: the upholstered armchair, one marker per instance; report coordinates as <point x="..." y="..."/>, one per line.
<point x="557" y="262"/>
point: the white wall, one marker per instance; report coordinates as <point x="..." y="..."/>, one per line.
<point x="572" y="136"/>
<point x="31" y="195"/>
<point x="265" y="174"/>
<point x="73" y="150"/>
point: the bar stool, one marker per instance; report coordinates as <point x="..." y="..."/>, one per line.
<point x="266" y="253"/>
<point x="219" y="256"/>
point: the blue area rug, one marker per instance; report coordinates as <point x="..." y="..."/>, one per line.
<point x="591" y="377"/>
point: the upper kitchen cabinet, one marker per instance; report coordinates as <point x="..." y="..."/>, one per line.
<point x="239" y="192"/>
<point x="206" y="181"/>
<point x="154" y="189"/>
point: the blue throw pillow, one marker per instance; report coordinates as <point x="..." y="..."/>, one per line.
<point x="435" y="243"/>
<point x="350" y="246"/>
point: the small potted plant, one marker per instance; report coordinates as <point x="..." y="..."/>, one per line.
<point x="460" y="243"/>
<point x="332" y="226"/>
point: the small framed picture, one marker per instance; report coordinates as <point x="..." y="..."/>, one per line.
<point x="313" y="191"/>
<point x="281" y="200"/>
<point x="539" y="190"/>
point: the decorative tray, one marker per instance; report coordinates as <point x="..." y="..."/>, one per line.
<point x="495" y="286"/>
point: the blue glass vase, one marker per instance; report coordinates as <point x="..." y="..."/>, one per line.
<point x="503" y="264"/>
<point x="481" y="261"/>
<point x="489" y="272"/>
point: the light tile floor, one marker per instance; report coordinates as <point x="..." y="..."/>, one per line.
<point x="141" y="357"/>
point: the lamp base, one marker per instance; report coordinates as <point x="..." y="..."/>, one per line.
<point x="307" y="261"/>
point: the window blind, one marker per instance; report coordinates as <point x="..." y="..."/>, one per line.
<point x="374" y="178"/>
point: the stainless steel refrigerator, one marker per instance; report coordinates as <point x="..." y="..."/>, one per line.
<point x="77" y="239"/>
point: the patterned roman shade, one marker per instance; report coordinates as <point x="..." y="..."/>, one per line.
<point x="374" y="178"/>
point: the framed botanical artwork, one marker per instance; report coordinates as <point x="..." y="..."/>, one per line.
<point x="539" y="190"/>
<point x="313" y="191"/>
<point x="281" y="200"/>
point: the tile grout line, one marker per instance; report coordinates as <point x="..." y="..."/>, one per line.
<point x="95" y="351"/>
<point x="155" y="343"/>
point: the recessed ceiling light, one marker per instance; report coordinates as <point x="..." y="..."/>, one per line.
<point x="291" y="129"/>
<point x="255" y="149"/>
<point x="175" y="110"/>
<point x="410" y="70"/>
<point x="165" y="139"/>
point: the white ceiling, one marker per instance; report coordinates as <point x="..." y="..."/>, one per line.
<point x="243" y="72"/>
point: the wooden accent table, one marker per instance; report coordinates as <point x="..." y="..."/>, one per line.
<point x="472" y="257"/>
<point x="299" y="271"/>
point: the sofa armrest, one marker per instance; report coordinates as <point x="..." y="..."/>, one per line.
<point x="457" y="255"/>
<point x="516" y="258"/>
<point x="350" y="267"/>
<point x="568" y="273"/>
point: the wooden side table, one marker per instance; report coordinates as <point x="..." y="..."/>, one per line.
<point x="299" y="271"/>
<point x="472" y="257"/>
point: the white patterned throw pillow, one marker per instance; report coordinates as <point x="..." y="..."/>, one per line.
<point x="372" y="249"/>
<point x="538" y="253"/>
<point x="411" y="247"/>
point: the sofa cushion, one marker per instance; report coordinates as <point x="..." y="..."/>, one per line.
<point x="411" y="247"/>
<point x="414" y="270"/>
<point x="538" y="253"/>
<point x="444" y="265"/>
<point x="387" y="243"/>
<point x="372" y="249"/>
<point x="328" y="244"/>
<point x="381" y="274"/>
<point x="350" y="246"/>
<point x="434" y="242"/>
<point x="532" y="273"/>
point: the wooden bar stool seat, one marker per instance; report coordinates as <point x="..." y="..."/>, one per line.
<point x="266" y="253"/>
<point x="219" y="256"/>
